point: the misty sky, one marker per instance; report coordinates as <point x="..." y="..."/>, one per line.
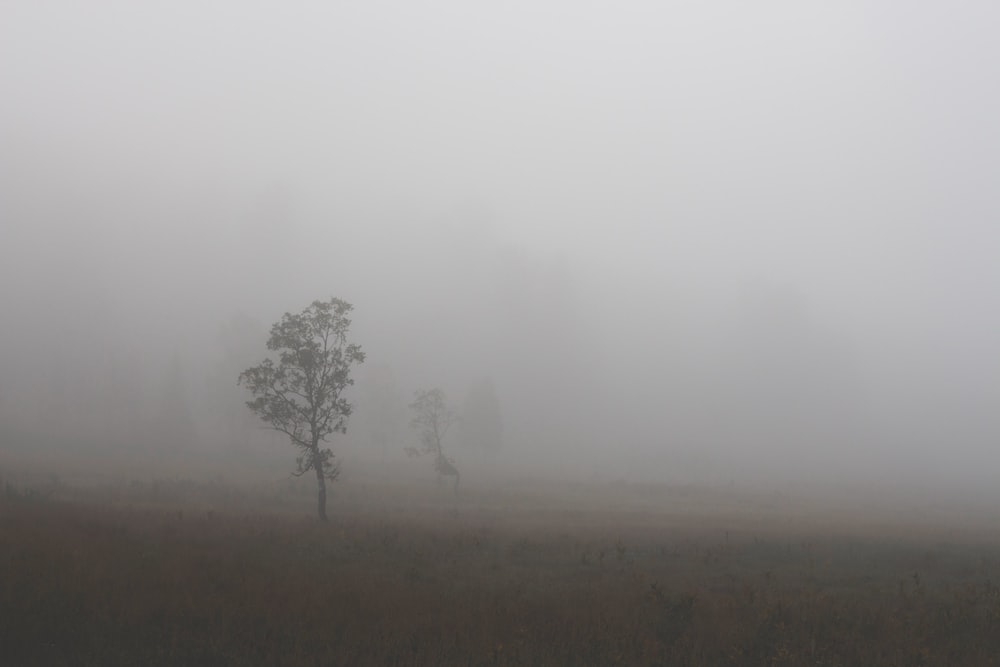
<point x="685" y="233"/>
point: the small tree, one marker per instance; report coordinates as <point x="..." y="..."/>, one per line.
<point x="300" y="395"/>
<point x="432" y="418"/>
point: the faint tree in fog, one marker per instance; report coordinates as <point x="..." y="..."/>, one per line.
<point x="482" y="426"/>
<point x="432" y="418"/>
<point x="300" y="394"/>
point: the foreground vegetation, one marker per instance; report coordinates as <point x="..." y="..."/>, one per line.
<point x="172" y="574"/>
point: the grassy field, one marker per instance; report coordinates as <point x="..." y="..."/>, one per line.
<point x="175" y="572"/>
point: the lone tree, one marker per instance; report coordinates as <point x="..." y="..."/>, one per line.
<point x="432" y="418"/>
<point x="300" y="394"/>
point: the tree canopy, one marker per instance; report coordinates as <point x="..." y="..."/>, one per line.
<point x="300" y="393"/>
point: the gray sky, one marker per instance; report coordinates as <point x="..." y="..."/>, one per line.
<point x="663" y="203"/>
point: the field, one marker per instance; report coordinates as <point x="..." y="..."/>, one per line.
<point x="512" y="572"/>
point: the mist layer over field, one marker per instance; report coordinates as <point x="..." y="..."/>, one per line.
<point x="679" y="325"/>
<point x="682" y="243"/>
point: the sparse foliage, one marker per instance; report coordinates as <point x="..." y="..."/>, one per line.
<point x="433" y="418"/>
<point x="300" y="394"/>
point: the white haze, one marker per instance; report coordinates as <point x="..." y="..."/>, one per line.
<point x="687" y="241"/>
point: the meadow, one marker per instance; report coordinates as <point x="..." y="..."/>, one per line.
<point x="173" y="571"/>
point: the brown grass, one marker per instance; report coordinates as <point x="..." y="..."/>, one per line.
<point x="179" y="573"/>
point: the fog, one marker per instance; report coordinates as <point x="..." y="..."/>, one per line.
<point x="685" y="242"/>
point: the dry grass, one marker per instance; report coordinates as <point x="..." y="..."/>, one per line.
<point x="174" y="573"/>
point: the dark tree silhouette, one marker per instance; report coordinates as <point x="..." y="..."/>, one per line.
<point x="300" y="394"/>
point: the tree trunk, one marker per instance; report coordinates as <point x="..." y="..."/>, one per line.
<point x="321" y="484"/>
